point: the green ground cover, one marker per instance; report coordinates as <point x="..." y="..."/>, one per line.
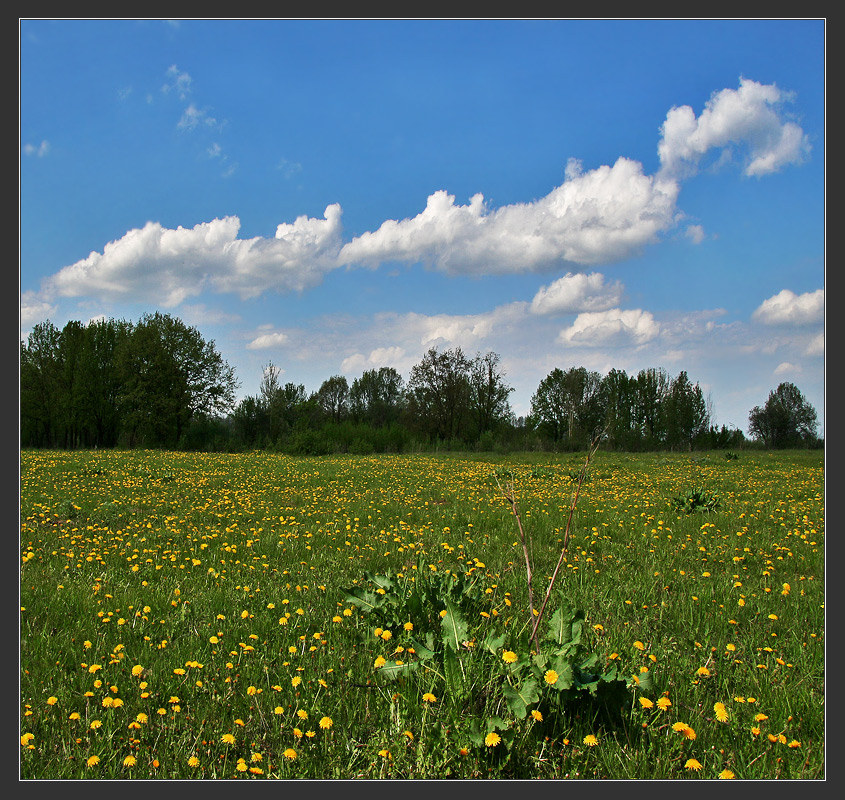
<point x="259" y="616"/>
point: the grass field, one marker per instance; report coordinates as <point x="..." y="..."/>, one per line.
<point x="205" y="616"/>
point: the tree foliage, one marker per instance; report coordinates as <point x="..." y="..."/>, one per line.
<point x="785" y="420"/>
<point x="113" y="382"/>
<point x="158" y="383"/>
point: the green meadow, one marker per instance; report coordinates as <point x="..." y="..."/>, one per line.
<point x="259" y="616"/>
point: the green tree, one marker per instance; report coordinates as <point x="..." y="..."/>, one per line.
<point x="40" y="369"/>
<point x="786" y="419"/>
<point x="333" y="397"/>
<point x="652" y="387"/>
<point x="438" y="394"/>
<point x="169" y="375"/>
<point x="685" y="413"/>
<point x="567" y="405"/>
<point x="488" y="393"/>
<point x="618" y="396"/>
<point x="377" y="397"/>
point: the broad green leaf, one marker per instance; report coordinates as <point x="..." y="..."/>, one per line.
<point x="363" y="599"/>
<point x="518" y="699"/>
<point x="645" y="681"/>
<point x="454" y="672"/>
<point x="393" y="671"/>
<point x="422" y="652"/>
<point x="454" y="627"/>
<point x="494" y="643"/>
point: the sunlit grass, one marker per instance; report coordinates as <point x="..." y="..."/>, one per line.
<point x="183" y="615"/>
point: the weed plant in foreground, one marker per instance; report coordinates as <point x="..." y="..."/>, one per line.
<point x="258" y="616"/>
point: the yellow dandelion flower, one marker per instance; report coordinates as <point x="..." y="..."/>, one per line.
<point x="509" y="656"/>
<point x="193" y="761"/>
<point x="794" y="744"/>
<point x="51" y="701"/>
<point x="297" y="733"/>
<point x="130" y="761"/>
<point x="92" y="761"/>
<point x="251" y="690"/>
<point x="693" y="763"/>
<point x="663" y="703"/>
<point x="384" y="753"/>
<point x="241" y="766"/>
<point x="726" y="775"/>
<point x="380" y="662"/>
<point x="95" y="723"/>
<point x="492" y="739"/>
<point x="326" y="723"/>
<point x="408" y="626"/>
<point x="74" y="715"/>
<point x="302" y="713"/>
<point x="142" y="718"/>
<point x="685" y="730"/>
<point x="227" y="738"/>
<point x="255" y="758"/>
<point x="295" y="681"/>
<point x="721" y="712"/>
<point x="428" y="697"/>
<point x="536" y="715"/>
<point x="550" y="677"/>
<point x="26" y="739"/>
<point x="386" y="635"/>
<point x="760" y="717"/>
<point x="646" y="703"/>
<point x="278" y="710"/>
<point x="590" y="740"/>
<point x="639" y="645"/>
<point x="703" y="672"/>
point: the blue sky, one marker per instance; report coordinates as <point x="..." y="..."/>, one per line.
<point x="335" y="196"/>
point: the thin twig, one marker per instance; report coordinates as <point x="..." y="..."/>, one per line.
<point x="508" y="493"/>
<point x="510" y="497"/>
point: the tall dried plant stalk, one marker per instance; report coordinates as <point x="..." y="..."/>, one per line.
<point x="535" y="617"/>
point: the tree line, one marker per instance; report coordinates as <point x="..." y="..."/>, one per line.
<point x="158" y="384"/>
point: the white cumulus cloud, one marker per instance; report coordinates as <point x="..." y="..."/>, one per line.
<point x="167" y="266"/>
<point x="267" y="340"/>
<point x="34" y="309"/>
<point x="749" y="118"/>
<point x="379" y="357"/>
<point x="816" y="346"/>
<point x="577" y="292"/>
<point x="788" y="308"/>
<point x="593" y="217"/>
<point x="615" y="326"/>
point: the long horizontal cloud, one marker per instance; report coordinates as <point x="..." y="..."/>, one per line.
<point x="168" y="266"/>
<point x="594" y="217"/>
